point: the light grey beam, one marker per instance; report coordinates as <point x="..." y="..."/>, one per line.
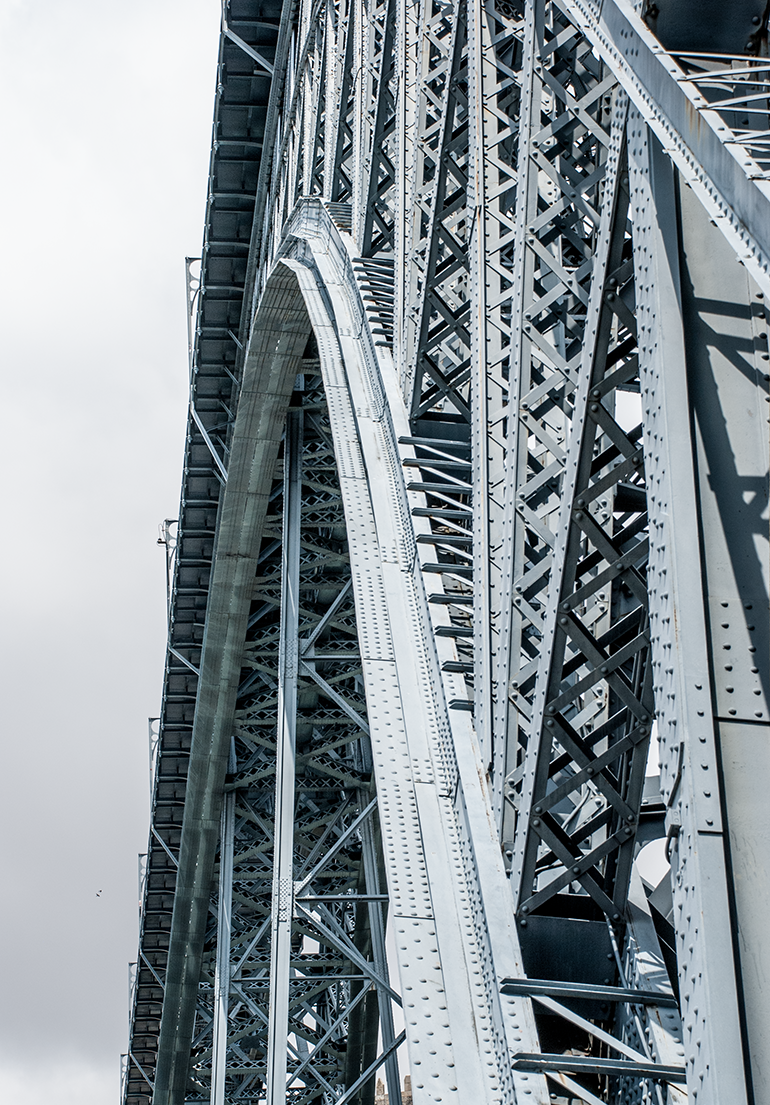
<point x="283" y="855"/>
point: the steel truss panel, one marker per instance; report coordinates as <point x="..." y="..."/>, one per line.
<point x="475" y="503"/>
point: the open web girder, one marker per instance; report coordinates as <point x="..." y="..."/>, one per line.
<point x="475" y="504"/>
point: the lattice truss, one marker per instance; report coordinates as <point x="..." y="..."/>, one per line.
<point x="490" y="168"/>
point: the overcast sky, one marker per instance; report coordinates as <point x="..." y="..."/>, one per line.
<point x="106" y="128"/>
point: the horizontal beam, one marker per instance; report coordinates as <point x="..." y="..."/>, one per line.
<point x="592" y="1064"/>
<point x="535" y="986"/>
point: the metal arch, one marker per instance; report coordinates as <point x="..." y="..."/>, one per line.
<point x="434" y="778"/>
<point x="263" y="397"/>
<point x="490" y="342"/>
<point x="474" y="901"/>
<point x="305" y="836"/>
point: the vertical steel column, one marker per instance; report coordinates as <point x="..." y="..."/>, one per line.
<point x="725" y="336"/>
<point x="222" y="972"/>
<point x="584" y="665"/>
<point x="340" y="102"/>
<point x="407" y="45"/>
<point x="494" y="119"/>
<point x="545" y="258"/>
<point x="378" y="227"/>
<point x="379" y="956"/>
<point x="283" y="861"/>
<point x="681" y="643"/>
<point x="511" y="723"/>
<point x="484" y="446"/>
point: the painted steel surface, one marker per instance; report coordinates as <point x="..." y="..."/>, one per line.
<point x="474" y="515"/>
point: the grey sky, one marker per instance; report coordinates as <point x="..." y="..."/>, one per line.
<point x="106" y="125"/>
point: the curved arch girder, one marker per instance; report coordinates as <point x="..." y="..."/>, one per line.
<point x="449" y="897"/>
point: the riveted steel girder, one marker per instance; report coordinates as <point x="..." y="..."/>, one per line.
<point x="474" y="515"/>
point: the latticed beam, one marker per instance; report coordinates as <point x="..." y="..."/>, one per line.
<point x="475" y="493"/>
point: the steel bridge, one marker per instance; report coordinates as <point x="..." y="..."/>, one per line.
<point x="473" y="531"/>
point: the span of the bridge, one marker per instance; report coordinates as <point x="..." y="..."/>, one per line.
<point x="463" y="760"/>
